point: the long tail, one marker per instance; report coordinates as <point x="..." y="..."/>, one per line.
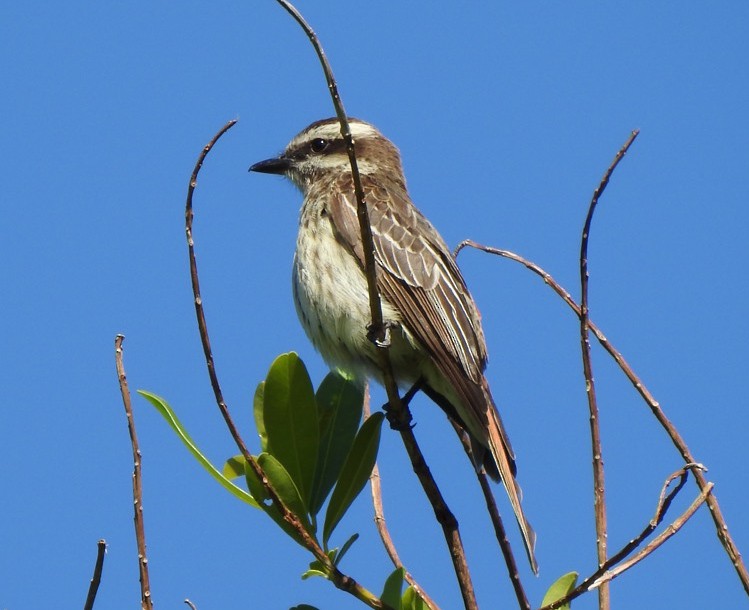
<point x="487" y="432"/>
<point x="505" y="464"/>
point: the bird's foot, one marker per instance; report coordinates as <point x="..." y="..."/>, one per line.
<point x="399" y="419"/>
<point x="380" y="335"/>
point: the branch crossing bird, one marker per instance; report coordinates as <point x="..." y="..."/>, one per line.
<point x="436" y="337"/>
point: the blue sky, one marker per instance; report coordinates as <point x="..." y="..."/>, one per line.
<point x="506" y="115"/>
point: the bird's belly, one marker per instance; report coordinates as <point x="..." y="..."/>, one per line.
<point x="332" y="302"/>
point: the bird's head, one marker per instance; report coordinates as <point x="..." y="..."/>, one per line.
<point x="319" y="151"/>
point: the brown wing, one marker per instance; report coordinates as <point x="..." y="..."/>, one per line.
<point x="420" y="278"/>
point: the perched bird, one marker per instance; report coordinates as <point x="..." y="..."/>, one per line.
<point x="435" y="327"/>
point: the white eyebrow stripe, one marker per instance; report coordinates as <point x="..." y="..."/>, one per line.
<point x="332" y="130"/>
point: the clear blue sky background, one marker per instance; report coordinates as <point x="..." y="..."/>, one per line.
<point x="506" y="114"/>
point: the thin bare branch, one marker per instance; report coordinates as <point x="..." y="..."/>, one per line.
<point x="340" y="580"/>
<point x="205" y="340"/>
<point x="721" y="526"/>
<point x="656" y="542"/>
<point x="379" y="519"/>
<point x="443" y="515"/>
<point x="664" y="502"/>
<point x="599" y="485"/>
<point x="140" y="528"/>
<point x="370" y="269"/>
<point x="399" y="414"/>
<point x="101" y="550"/>
<point x="496" y="519"/>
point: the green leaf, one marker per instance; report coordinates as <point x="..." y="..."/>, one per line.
<point x="339" y="405"/>
<point x="316" y="567"/>
<point x="257" y="411"/>
<point x="310" y="573"/>
<point x="290" y="416"/>
<point x="412" y="600"/>
<point x="284" y="486"/>
<point x="234" y="467"/>
<point x="356" y="470"/>
<point x="391" y="593"/>
<point x="561" y="587"/>
<point x="168" y="414"/>
<point x="344" y="549"/>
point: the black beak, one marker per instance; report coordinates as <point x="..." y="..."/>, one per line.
<point x="279" y="165"/>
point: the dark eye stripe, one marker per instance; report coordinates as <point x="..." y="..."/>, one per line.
<point x="322" y="145"/>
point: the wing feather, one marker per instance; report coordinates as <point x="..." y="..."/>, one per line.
<point x="418" y="275"/>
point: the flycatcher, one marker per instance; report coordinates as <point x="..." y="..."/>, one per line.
<point x="435" y="337"/>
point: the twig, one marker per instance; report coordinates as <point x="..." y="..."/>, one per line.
<point x="379" y="519"/>
<point x="656" y="542"/>
<point x="599" y="486"/>
<point x="496" y="519"/>
<point x="101" y="549"/>
<point x="340" y="580"/>
<point x="196" y="289"/>
<point x="666" y="497"/>
<point x="362" y="212"/>
<point x="398" y="408"/>
<point x="664" y="503"/>
<point x="721" y="526"/>
<point x="189" y="603"/>
<point x="140" y="528"/>
<point x="444" y="517"/>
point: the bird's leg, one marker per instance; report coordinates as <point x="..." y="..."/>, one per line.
<point x="401" y="420"/>
<point x="380" y="335"/>
<point x="412" y="391"/>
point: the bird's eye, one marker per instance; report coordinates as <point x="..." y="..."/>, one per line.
<point x="318" y="145"/>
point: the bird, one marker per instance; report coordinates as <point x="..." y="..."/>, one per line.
<point x="435" y="333"/>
